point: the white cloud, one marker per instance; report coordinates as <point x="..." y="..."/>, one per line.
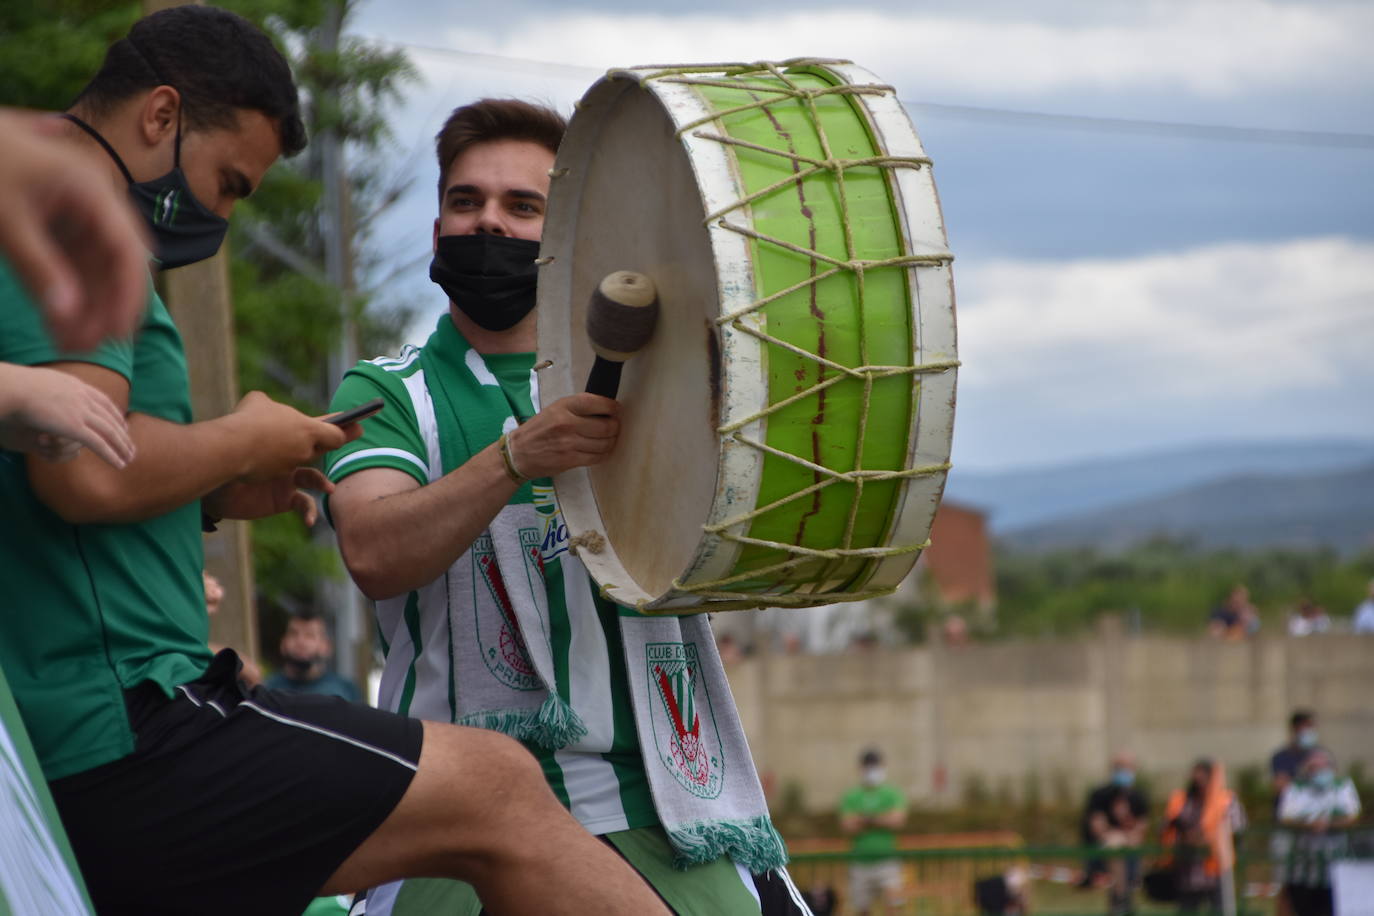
<point x="1223" y="324"/>
<point x="1221" y="48"/>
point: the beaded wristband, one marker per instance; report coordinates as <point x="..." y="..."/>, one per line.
<point x="503" y="445"/>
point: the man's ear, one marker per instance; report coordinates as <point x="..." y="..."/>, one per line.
<point x="434" y="244"/>
<point x="159" y="115"/>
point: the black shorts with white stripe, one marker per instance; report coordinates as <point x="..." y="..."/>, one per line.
<point x="234" y="800"/>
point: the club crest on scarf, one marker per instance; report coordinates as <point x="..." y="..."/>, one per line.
<point x="503" y="651"/>
<point x="684" y="724"/>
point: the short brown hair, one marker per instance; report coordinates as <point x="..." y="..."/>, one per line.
<point x="496" y="119"/>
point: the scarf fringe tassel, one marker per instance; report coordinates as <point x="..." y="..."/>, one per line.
<point x="554" y="725"/>
<point x="752" y="843"/>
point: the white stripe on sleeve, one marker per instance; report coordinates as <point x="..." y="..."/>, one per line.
<point x="377" y="453"/>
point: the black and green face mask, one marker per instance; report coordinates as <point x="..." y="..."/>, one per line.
<point x="184" y="230"/>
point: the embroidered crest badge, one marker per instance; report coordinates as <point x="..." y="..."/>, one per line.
<point x="503" y="646"/>
<point x="686" y="739"/>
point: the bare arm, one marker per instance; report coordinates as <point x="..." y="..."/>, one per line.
<point x="177" y="464"/>
<point x="892" y="820"/>
<point x="396" y="535"/>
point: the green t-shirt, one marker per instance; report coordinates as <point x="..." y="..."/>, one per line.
<point x="870" y="801"/>
<point x="92" y="610"/>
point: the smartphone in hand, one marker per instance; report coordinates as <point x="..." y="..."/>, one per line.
<point x="353" y="415"/>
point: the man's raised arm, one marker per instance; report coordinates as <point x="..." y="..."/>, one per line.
<point x="261" y="442"/>
<point x="396" y="535"/>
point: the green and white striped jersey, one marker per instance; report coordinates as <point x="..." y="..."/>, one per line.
<point x="600" y="777"/>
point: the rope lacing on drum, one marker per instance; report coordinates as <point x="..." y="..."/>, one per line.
<point x="785" y="90"/>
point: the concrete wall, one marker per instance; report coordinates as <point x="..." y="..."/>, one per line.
<point x="1049" y="712"/>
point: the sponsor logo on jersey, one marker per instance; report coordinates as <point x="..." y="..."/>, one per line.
<point x="684" y="726"/>
<point x="553" y="542"/>
<point x="504" y="650"/>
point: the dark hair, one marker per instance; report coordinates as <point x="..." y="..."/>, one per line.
<point x="496" y="119"/>
<point x="306" y="615"/>
<point x="871" y="757"/>
<point x="218" y="61"/>
<point x="1300" y="718"/>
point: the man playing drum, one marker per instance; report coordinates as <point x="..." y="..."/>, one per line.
<point x="446" y="517"/>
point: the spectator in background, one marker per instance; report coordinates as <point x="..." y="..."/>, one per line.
<point x="305" y="653"/>
<point x="1007" y="894"/>
<point x="1310" y="618"/>
<point x="1283" y="769"/>
<point x="1311" y="807"/>
<point x="1200" y="822"/>
<point x="1116" y="815"/>
<point x="1235" y="617"/>
<point x="1288" y="760"/>
<point x="1364" y="612"/>
<point x="954" y="631"/>
<point x="872" y="813"/>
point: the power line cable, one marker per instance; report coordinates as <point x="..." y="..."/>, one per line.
<point x="1222" y="132"/>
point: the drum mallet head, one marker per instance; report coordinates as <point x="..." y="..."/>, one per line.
<point x="621" y="317"/>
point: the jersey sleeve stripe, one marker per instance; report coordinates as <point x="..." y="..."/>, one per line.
<point x="377" y="453"/>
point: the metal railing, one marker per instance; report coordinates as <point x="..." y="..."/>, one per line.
<point x="942" y="881"/>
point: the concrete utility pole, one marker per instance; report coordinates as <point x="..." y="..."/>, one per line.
<point x="353" y="655"/>
<point x="199" y="299"/>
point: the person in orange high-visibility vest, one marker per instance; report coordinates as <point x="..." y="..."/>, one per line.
<point x="1199" y="824"/>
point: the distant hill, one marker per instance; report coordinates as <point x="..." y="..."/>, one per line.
<point x="1334" y="509"/>
<point x="1017" y="499"/>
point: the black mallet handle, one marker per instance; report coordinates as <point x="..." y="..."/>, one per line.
<point x="621" y="317"/>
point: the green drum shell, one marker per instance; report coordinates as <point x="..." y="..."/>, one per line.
<point x="852" y="423"/>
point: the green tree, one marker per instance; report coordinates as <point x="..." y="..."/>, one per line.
<point x="1171" y="583"/>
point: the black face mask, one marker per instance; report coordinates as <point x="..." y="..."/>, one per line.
<point x="490" y="277"/>
<point x="184" y="230"/>
<point x="299" y="667"/>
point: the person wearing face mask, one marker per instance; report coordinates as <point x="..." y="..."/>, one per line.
<point x="166" y="771"/>
<point x="871" y="813"/>
<point x="1289" y="759"/>
<point x="305" y="653"/>
<point x="1116" y="815"/>
<point x="446" y="517"/>
<point x="1315" y="808"/>
<point x="1283" y="769"/>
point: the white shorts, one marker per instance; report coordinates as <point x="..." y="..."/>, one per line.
<point x="873" y="881"/>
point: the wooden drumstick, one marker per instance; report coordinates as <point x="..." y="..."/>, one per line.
<point x="620" y="320"/>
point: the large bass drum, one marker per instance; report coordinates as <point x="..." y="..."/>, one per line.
<point x="785" y="434"/>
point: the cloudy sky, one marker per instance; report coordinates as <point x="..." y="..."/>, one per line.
<point x="1124" y="284"/>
